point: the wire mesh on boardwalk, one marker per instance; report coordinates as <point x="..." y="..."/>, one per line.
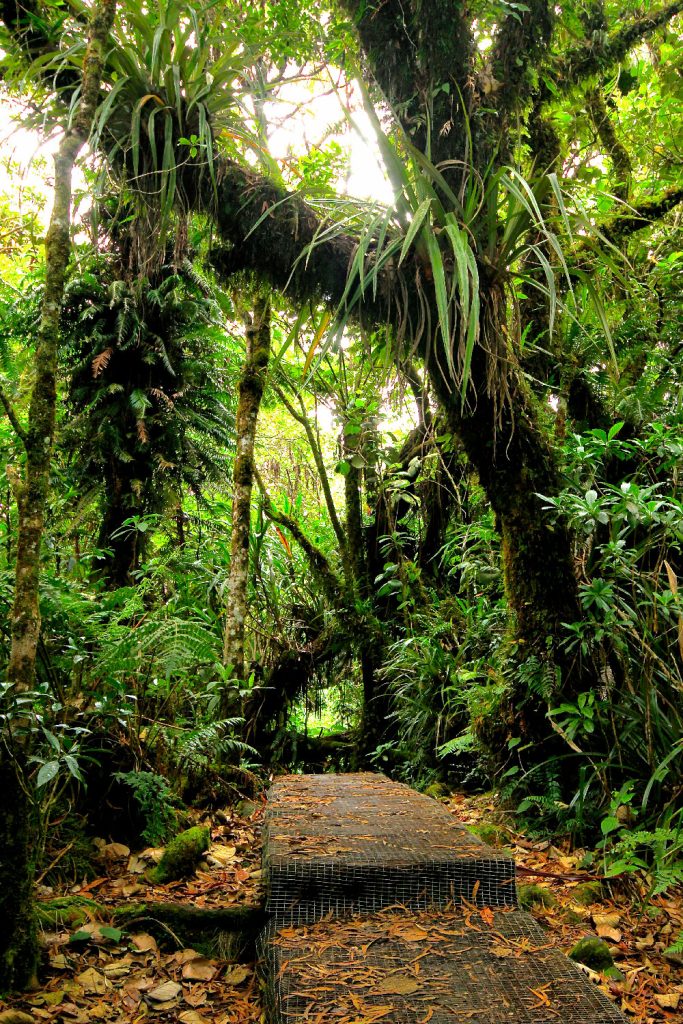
<point x="431" y="967"/>
<point x="341" y="844"/>
<point x="385" y="909"/>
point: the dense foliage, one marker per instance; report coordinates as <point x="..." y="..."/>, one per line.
<point x="450" y="420"/>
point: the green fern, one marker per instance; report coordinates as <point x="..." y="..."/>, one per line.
<point x="212" y="745"/>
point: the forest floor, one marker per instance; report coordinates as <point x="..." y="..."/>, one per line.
<point x="113" y="976"/>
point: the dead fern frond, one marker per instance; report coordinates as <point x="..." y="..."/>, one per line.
<point x="101" y="361"/>
<point x="161" y="396"/>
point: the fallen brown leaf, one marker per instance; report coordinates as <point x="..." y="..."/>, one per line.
<point x="166" y="992"/>
<point x="605" y="932"/>
<point x="611" y="920"/>
<point x="236" y="975"/>
<point x="144" y="943"/>
<point x="93" y="982"/>
<point x="396" y="984"/>
<point x="668" y="1000"/>
<point x="200" y="969"/>
<point x="191" y="1017"/>
<point x="115" y="851"/>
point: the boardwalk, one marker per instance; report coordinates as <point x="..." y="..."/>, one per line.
<point x="356" y="843"/>
<point x="384" y="909"/>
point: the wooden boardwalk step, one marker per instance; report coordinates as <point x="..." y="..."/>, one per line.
<point x="342" y="844"/>
<point x="428" y="967"/>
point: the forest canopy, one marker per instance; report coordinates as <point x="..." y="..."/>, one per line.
<point x="340" y="387"/>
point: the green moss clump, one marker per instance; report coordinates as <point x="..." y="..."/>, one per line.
<point x="535" y="896"/>
<point x="65" y="911"/>
<point x="490" y="834"/>
<point x="596" y="954"/>
<point x="436" y="790"/>
<point x="587" y="893"/>
<point x="181" y="856"/>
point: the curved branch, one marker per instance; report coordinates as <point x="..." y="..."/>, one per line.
<point x="595" y="56"/>
<point x="635" y="217"/>
<point x="12" y="417"/>
<point x="329" y="580"/>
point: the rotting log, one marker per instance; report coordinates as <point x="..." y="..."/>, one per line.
<point x="245" y="918"/>
<point x="236" y="925"/>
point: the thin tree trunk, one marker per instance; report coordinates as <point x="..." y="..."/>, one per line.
<point x="354" y="529"/>
<point x="18" y="943"/>
<point x="301" y="417"/>
<point x="252" y="383"/>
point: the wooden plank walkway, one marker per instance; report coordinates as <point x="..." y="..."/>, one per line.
<point x="419" y="945"/>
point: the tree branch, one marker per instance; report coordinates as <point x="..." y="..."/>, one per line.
<point x="617" y="152"/>
<point x="634" y="218"/>
<point x="329" y="580"/>
<point x="595" y="56"/>
<point x="12" y="417"/>
<point x="302" y="418"/>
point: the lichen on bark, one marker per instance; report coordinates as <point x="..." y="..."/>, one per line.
<point x="251" y="387"/>
<point x="19" y="947"/>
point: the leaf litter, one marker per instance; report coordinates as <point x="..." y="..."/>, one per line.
<point x="97" y="972"/>
<point x="638" y="931"/>
<point x="131" y="980"/>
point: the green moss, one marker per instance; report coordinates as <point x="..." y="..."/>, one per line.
<point x="491" y="834"/>
<point x="596" y="954"/>
<point x="436" y="790"/>
<point x="535" y="896"/>
<point x="181" y="856"/>
<point x="587" y="893"/>
<point x="66" y="911"/>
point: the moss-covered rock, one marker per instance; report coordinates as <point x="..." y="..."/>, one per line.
<point x="491" y="834"/>
<point x="535" y="896"/>
<point x="587" y="894"/>
<point x="596" y="954"/>
<point x="181" y="856"/>
<point x="437" y="790"/>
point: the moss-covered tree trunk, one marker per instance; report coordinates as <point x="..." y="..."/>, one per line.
<point x="18" y="946"/>
<point x="354" y="529"/>
<point x="252" y="384"/>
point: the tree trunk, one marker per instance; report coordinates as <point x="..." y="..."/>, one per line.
<point x="19" y="948"/>
<point x="354" y="529"/>
<point x="18" y="941"/>
<point x="516" y="464"/>
<point x="120" y="544"/>
<point x="252" y="383"/>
